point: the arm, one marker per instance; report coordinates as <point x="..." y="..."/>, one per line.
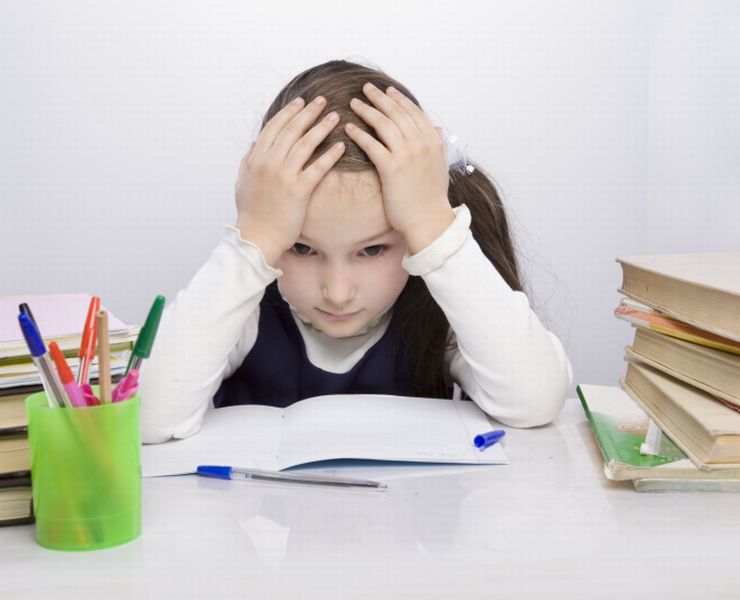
<point x="203" y="337"/>
<point x="506" y="361"/>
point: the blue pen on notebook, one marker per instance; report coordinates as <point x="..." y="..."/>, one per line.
<point x="223" y="472"/>
<point x="484" y="440"/>
<point x="55" y="393"/>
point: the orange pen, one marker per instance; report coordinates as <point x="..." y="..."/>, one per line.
<point x="89" y="336"/>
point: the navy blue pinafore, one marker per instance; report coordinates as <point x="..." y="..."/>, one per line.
<point x="277" y="372"/>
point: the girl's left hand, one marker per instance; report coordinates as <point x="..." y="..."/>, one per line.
<point x="411" y="164"/>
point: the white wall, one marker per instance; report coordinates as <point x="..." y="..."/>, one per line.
<point x="612" y="129"/>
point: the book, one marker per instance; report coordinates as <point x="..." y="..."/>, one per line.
<point x="707" y="430"/>
<point x="15" y="500"/>
<point x="702" y="290"/>
<point x="713" y="371"/>
<point x="619" y="426"/>
<point x="15" y="453"/>
<point x="341" y="426"/>
<point x="653" y="485"/>
<point x="645" y="317"/>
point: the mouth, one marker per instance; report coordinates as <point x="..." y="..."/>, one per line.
<point x="337" y="316"/>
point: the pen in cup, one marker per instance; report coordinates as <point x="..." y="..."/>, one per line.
<point x="52" y="385"/>
<point x="87" y="345"/>
<point x="145" y="341"/>
<point x="74" y="393"/>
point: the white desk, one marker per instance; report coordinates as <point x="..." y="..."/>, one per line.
<point x="547" y="525"/>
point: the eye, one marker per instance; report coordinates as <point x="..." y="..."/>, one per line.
<point x="373" y="251"/>
<point x="302" y="249"/>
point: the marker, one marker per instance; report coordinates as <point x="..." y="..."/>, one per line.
<point x="221" y="472"/>
<point x="87" y="346"/>
<point x="74" y="393"/>
<point x="101" y="323"/>
<point x="484" y="440"/>
<point x="52" y="385"/>
<point x="145" y="341"/>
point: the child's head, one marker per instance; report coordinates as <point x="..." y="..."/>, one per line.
<point x="348" y="259"/>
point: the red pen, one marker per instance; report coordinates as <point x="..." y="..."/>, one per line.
<point x="87" y="347"/>
<point x="74" y="393"/>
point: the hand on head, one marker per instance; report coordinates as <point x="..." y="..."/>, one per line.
<point x="411" y="162"/>
<point x="273" y="188"/>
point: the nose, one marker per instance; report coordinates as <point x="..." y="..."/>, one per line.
<point x="337" y="286"/>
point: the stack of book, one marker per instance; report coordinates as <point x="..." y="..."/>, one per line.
<point x="683" y="374"/>
<point x="60" y="317"/>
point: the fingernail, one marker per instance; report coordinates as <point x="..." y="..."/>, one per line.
<point x="297" y="100"/>
<point x="391" y="89"/>
<point x="350" y="126"/>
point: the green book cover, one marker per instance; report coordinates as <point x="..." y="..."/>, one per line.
<point x="619" y="426"/>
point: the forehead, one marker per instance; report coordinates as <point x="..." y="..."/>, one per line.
<point x="345" y="208"/>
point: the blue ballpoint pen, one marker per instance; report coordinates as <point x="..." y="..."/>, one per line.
<point x="55" y="393"/>
<point x="225" y="472"/>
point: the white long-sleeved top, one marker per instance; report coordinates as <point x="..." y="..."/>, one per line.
<point x="505" y="360"/>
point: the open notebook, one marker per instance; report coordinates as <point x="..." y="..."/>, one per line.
<point x="355" y="426"/>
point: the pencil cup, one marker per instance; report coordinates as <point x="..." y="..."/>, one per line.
<point x="85" y="473"/>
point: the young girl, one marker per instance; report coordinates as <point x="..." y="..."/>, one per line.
<point x="360" y="262"/>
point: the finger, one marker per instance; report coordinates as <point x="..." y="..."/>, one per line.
<point x="303" y="149"/>
<point x="392" y="110"/>
<point x="296" y="127"/>
<point x="416" y="114"/>
<point x="377" y="152"/>
<point x="386" y="129"/>
<point x="312" y="174"/>
<point x="272" y="128"/>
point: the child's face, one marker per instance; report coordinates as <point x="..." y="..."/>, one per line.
<point x="341" y="274"/>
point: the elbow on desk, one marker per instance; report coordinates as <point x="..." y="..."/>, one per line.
<point x="533" y="402"/>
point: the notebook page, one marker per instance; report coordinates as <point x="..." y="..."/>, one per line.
<point x="237" y="436"/>
<point x="383" y="427"/>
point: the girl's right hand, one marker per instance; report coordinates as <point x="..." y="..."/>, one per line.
<point x="273" y="188"/>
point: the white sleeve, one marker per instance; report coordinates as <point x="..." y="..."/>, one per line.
<point x="203" y="337"/>
<point x="506" y="361"/>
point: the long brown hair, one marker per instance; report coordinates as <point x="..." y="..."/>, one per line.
<point x="424" y="327"/>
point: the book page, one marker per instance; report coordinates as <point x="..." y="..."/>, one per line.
<point x="237" y="436"/>
<point x="383" y="427"/>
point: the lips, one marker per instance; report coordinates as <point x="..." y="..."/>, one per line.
<point x="337" y="315"/>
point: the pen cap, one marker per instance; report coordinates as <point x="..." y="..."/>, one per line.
<point x="32" y="335"/>
<point x="214" y="471"/>
<point x="145" y="341"/>
<point x="484" y="440"/>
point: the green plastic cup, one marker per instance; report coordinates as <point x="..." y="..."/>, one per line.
<point x="85" y="473"/>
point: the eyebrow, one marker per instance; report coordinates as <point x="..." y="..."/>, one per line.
<point x="360" y="243"/>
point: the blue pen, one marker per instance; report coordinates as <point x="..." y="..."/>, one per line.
<point x="225" y="472"/>
<point x="484" y="440"/>
<point x="52" y="384"/>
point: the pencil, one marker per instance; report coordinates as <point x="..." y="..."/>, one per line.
<point x="101" y="321"/>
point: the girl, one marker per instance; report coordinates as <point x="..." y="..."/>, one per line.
<point x="360" y="262"/>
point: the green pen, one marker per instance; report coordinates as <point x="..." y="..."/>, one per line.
<point x="145" y="341"/>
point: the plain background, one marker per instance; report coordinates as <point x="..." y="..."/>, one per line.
<point x="611" y="129"/>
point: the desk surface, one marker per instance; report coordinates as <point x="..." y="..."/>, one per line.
<point x="547" y="525"/>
